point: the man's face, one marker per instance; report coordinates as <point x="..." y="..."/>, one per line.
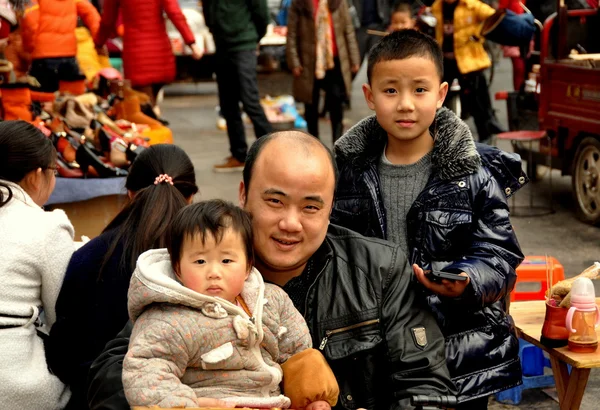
<point x="290" y="198"/>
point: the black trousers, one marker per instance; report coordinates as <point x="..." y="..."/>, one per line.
<point x="365" y="40"/>
<point x="237" y="82"/>
<point x="49" y="71"/>
<point x="475" y="97"/>
<point x="335" y="95"/>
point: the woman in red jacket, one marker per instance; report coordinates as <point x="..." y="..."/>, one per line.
<point x="148" y="59"/>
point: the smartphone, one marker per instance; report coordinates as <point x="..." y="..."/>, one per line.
<point x="438" y="275"/>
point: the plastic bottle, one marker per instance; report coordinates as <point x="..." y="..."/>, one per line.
<point x="583" y="317"/>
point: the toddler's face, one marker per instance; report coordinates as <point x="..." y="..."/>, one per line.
<point x="401" y="21"/>
<point x="214" y="269"/>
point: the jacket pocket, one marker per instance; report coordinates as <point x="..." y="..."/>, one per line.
<point x="446" y="232"/>
<point x="224" y="357"/>
<point x="353" y="349"/>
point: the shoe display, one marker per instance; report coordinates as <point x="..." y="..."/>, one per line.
<point x="230" y="165"/>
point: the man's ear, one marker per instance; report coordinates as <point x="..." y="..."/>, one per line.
<point x="242" y="194"/>
<point x="368" y="96"/>
<point x="442" y="94"/>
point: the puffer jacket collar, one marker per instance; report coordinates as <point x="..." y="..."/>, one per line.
<point x="455" y="152"/>
<point x="154" y="281"/>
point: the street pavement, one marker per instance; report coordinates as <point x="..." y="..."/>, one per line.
<point x="190" y="108"/>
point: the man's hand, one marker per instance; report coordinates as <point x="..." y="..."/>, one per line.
<point x="197" y="52"/>
<point x="205" y="402"/>
<point x="297" y="71"/>
<point x="448" y="288"/>
<point x="318" y="405"/>
<point x="355" y="68"/>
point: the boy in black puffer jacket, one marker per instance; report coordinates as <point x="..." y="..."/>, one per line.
<point x="413" y="174"/>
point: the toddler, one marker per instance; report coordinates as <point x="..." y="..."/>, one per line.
<point x="207" y="326"/>
<point x="402" y="17"/>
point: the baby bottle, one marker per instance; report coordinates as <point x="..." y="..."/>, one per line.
<point x="583" y="317"/>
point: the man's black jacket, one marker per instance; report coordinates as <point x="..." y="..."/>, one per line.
<point x="380" y="341"/>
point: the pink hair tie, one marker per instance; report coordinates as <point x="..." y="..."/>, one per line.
<point x="163" y="178"/>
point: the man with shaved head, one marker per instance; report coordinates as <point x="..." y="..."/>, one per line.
<point x="355" y="293"/>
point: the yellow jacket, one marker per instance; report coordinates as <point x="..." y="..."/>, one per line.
<point x="469" y="16"/>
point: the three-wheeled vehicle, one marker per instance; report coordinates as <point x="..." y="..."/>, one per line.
<point x="568" y="104"/>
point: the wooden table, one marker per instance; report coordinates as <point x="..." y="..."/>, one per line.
<point x="529" y="317"/>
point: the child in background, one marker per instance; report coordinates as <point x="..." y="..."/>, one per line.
<point x="207" y="326"/>
<point x="48" y="32"/>
<point x="402" y="17"/>
<point x="412" y="174"/>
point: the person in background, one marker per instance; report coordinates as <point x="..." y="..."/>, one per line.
<point x="36" y="247"/>
<point x="92" y="305"/>
<point x="458" y="32"/>
<point x="48" y="33"/>
<point x="369" y="15"/>
<point x="322" y="53"/>
<point x="518" y="61"/>
<point x="402" y="17"/>
<point x="148" y="60"/>
<point x="249" y="337"/>
<point x="237" y="27"/>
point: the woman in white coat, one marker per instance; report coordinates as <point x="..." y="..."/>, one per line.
<point x="36" y="248"/>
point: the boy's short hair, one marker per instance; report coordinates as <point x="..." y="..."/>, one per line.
<point x="404" y="44"/>
<point x="403" y="6"/>
<point x="213" y="218"/>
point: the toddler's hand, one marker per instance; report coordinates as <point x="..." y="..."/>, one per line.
<point x="318" y="405"/>
<point x="206" y="402"/>
<point x="448" y="288"/>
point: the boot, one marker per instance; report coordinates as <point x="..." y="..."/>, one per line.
<point x="75" y="86"/>
<point x="129" y="109"/>
<point x="16" y="102"/>
<point x="554" y="330"/>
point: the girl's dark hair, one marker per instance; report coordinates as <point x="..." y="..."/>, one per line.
<point x="212" y="218"/>
<point x="144" y="221"/>
<point x="23" y="148"/>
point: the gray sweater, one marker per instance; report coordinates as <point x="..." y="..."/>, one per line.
<point x="400" y="186"/>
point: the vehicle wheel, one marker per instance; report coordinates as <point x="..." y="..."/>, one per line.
<point x="586" y="180"/>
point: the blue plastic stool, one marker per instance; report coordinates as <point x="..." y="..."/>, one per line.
<point x="533" y="362"/>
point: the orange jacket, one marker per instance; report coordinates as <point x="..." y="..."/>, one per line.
<point x="48" y="26"/>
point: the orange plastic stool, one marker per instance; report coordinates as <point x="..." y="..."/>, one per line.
<point x="533" y="270"/>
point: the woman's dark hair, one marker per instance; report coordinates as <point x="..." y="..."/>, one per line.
<point x="23" y="148"/>
<point x="144" y="221"/>
<point x="212" y="218"/>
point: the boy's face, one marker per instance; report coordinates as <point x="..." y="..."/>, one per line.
<point x="405" y="95"/>
<point x="401" y="20"/>
<point x="214" y="269"/>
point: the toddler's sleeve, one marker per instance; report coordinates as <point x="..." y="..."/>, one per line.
<point x="308" y="378"/>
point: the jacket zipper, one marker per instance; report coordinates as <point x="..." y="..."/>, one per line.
<point x="312" y="284"/>
<point x="329" y="333"/>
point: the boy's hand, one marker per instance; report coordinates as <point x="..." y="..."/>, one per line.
<point x="448" y="288"/>
<point x="355" y="68"/>
<point x="318" y="405"/>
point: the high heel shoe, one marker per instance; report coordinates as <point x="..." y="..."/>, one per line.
<point x="63" y="146"/>
<point x="65" y="171"/>
<point x="86" y="158"/>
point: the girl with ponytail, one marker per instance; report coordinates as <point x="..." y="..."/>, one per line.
<point x="92" y="305"/>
